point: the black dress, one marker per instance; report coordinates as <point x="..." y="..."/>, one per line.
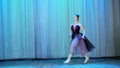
<point x="80" y="45"/>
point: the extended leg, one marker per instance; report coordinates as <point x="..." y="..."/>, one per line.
<point x="86" y="58"/>
<point x="73" y="44"/>
<point x="70" y="55"/>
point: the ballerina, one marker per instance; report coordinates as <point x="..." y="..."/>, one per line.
<point x="79" y="42"/>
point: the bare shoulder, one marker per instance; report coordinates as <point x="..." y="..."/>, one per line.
<point x="80" y="24"/>
<point x="71" y="25"/>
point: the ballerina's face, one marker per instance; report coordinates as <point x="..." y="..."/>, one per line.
<point x="75" y="18"/>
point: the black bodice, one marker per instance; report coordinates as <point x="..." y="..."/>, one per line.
<point x="75" y="30"/>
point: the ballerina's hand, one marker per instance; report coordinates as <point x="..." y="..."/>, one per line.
<point x="83" y="37"/>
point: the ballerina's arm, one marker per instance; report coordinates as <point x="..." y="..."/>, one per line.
<point x="70" y="33"/>
<point x="83" y="31"/>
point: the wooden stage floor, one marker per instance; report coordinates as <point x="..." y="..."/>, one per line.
<point x="58" y="63"/>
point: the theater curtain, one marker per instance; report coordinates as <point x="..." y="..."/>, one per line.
<point x="39" y="28"/>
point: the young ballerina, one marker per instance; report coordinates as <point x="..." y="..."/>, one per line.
<point x="79" y="42"/>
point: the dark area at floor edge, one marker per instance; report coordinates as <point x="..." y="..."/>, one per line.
<point x="18" y="59"/>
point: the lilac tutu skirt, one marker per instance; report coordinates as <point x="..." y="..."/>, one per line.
<point x="81" y="46"/>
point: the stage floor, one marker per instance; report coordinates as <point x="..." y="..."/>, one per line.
<point x="58" y="63"/>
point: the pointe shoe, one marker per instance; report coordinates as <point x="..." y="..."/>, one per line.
<point x="67" y="61"/>
<point x="86" y="59"/>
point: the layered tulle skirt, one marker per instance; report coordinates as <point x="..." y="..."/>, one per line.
<point x="81" y="45"/>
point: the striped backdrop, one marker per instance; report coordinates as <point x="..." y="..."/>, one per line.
<point x="39" y="28"/>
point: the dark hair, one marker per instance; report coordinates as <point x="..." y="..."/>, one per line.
<point x="77" y="16"/>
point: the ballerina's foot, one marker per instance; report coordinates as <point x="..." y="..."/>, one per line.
<point x="86" y="60"/>
<point x="67" y="61"/>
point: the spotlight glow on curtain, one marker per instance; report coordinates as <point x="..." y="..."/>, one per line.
<point x="39" y="28"/>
